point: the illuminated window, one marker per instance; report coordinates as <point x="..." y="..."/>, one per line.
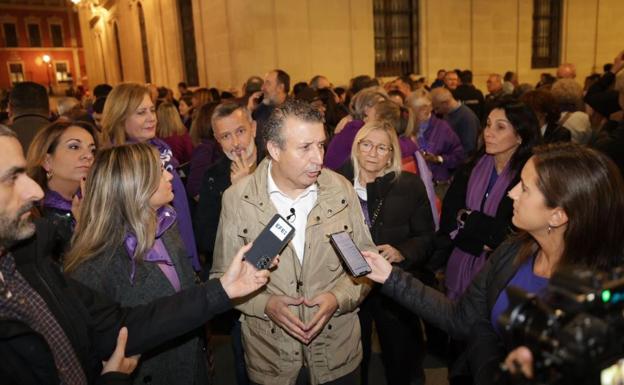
<point x="396" y="37"/>
<point x="546" y="33"/>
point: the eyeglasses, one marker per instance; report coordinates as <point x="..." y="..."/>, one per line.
<point x="367" y="146"/>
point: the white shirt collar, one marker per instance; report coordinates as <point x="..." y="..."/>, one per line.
<point x="274" y="189"/>
<point x="359" y="189"/>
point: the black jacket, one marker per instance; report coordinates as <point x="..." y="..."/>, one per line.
<point x="556" y="133"/>
<point x="456" y="317"/>
<point x="91" y="321"/>
<point x="63" y="223"/>
<point x="459" y="318"/>
<point x="405" y="220"/>
<point x="472" y="97"/>
<point x="215" y="181"/>
<point x="26" y="126"/>
<point x="601" y="97"/>
<point x="479" y="229"/>
<point x="611" y="144"/>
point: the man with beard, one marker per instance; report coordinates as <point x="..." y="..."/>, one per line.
<point x="235" y="131"/>
<point x="275" y="89"/>
<point x="303" y="327"/>
<point x="53" y="330"/>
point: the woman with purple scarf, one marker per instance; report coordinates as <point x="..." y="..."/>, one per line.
<point x="128" y="247"/>
<point x="129" y="116"/>
<point x="476" y="212"/>
<point x="59" y="158"/>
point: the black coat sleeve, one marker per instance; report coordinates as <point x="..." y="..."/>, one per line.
<point x="152" y="324"/>
<point x="455" y="317"/>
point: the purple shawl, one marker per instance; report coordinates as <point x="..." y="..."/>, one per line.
<point x="462" y="266"/>
<point x="437" y="137"/>
<point x="158" y="254"/>
<point x="339" y="149"/>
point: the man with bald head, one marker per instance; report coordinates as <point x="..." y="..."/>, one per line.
<point x="462" y="119"/>
<point x="566" y="71"/>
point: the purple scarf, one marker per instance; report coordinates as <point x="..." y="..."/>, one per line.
<point x="462" y="266"/>
<point x="54" y="200"/>
<point x="158" y="254"/>
<point x="180" y="202"/>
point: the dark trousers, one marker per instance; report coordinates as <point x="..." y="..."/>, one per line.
<point x="239" y="353"/>
<point x="304" y="375"/>
<point x="400" y="336"/>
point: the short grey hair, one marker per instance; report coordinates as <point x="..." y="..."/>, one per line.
<point x="6" y="131"/>
<point x="298" y="109"/>
<point x="226" y="109"/>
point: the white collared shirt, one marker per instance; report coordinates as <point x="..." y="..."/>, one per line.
<point x="359" y="189"/>
<point x="302" y="205"/>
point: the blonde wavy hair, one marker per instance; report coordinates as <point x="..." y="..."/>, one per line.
<point x="169" y="121"/>
<point x="122" y="101"/>
<point x="116" y="202"/>
<point x="395" y="158"/>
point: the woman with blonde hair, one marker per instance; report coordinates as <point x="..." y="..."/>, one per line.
<point x="128" y="248"/>
<point x="397" y="211"/>
<point x="130" y="116"/>
<point x="172" y="131"/>
<point x="59" y="158"/>
<point x="362" y="109"/>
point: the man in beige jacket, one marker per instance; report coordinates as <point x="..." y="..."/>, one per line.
<point x="303" y="326"/>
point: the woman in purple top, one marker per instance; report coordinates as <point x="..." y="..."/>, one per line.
<point x="59" y="158"/>
<point x="436" y="140"/>
<point x="362" y="110"/>
<point x="129" y="116"/>
<point x="568" y="206"/>
<point x="476" y="211"/>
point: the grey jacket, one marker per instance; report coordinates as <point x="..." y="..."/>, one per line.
<point x="179" y="361"/>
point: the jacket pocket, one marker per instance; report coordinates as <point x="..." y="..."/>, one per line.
<point x="342" y="340"/>
<point x="267" y="347"/>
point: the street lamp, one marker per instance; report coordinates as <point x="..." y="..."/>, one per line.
<point x="46" y="59"/>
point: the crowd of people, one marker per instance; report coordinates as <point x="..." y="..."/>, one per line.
<point x="124" y="219"/>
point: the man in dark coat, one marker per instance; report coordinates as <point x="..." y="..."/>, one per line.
<point x="234" y="130"/>
<point x="29" y="109"/>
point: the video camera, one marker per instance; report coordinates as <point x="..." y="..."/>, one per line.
<point x="575" y="331"/>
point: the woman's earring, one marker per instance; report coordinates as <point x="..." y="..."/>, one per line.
<point x="49" y="174"/>
<point x="549" y="229"/>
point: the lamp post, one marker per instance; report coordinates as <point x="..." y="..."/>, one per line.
<point x="46" y="59"/>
